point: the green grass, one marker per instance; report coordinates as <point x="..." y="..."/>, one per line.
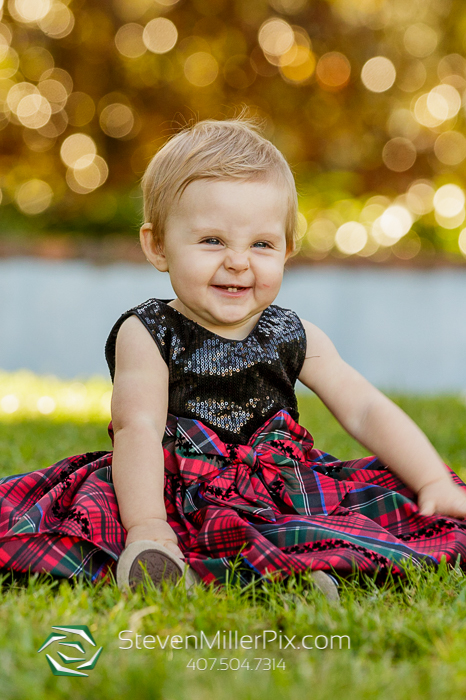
<point x="406" y="642"/>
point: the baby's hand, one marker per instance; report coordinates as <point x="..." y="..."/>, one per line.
<point x="442" y="497"/>
<point x="157" y="530"/>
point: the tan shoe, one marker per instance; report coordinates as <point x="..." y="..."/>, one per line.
<point x="326" y="584"/>
<point x="159" y="562"/>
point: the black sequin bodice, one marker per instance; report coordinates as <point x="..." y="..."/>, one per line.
<point x="232" y="386"/>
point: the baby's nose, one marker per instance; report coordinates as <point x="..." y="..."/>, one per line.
<point x="236" y="260"/>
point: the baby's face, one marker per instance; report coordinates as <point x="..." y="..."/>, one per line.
<point x="225" y="250"/>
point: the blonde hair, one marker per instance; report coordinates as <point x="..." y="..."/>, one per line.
<point x="227" y="149"/>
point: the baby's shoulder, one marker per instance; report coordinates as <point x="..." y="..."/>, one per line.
<point x="317" y="341"/>
<point x="136" y="326"/>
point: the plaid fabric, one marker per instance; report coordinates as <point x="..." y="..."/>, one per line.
<point x="276" y="504"/>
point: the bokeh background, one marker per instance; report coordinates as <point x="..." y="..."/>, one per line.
<point x="364" y="97"/>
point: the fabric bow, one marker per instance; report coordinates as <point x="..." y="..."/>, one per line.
<point x="273" y="473"/>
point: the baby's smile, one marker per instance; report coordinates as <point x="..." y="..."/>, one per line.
<point x="231" y="290"/>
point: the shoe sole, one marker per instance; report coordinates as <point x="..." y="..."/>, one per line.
<point x="326" y="585"/>
<point x="159" y="562"/>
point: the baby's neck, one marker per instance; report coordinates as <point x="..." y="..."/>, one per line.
<point x="238" y="331"/>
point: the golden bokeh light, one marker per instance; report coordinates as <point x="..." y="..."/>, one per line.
<point x="29" y="10"/>
<point x="275" y="36"/>
<point x="364" y="13"/>
<point x="46" y="405"/>
<point x="288" y="7"/>
<point x="294" y="55"/>
<point x="420" y="40"/>
<point x="399" y="154"/>
<point x="9" y="403"/>
<point x="301" y="67"/>
<point x="129" y="10"/>
<point x="34" y="196"/>
<point x="321" y="235"/>
<point x="302" y="226"/>
<point x="423" y="114"/>
<point x="420" y="197"/>
<point x="55" y="92"/>
<point x="4" y="46"/>
<point x="9" y="63"/>
<point x="76" y="148"/>
<point x="452" y="69"/>
<point x="393" y="224"/>
<point x="5" y="86"/>
<point x="373" y="209"/>
<point x="116" y="120"/>
<point x="59" y="22"/>
<point x="378" y="74"/>
<point x="333" y="71"/>
<point x="351" y="238"/>
<point x="55" y="126"/>
<point x="35" y="61"/>
<point x="5" y="30"/>
<point x="370" y="248"/>
<point x="450" y="222"/>
<point x="80" y="108"/>
<point x="33" y="111"/>
<point x="129" y="42"/>
<point x="450" y="147"/>
<point x="160" y="35"/>
<point x="449" y="201"/>
<point x="401" y="122"/>
<point x="17" y="92"/>
<point x="443" y="102"/>
<point x="201" y="68"/>
<point x="462" y="241"/>
<point x="301" y="37"/>
<point x="61" y="75"/>
<point x="87" y="174"/>
<point x="408" y="247"/>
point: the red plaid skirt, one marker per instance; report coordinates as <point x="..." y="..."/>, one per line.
<point x="276" y="504"/>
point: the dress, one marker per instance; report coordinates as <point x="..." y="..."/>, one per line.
<point x="246" y="492"/>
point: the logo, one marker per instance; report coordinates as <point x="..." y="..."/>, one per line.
<point x="74" y="648"/>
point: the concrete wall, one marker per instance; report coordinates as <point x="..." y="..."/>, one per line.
<point x="404" y="330"/>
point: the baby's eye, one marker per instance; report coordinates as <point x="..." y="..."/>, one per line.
<point x="211" y="241"/>
<point x="262" y="244"/>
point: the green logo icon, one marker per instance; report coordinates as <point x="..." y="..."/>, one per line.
<point x="73" y="650"/>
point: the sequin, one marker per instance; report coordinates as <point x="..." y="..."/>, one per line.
<point x="233" y="386"/>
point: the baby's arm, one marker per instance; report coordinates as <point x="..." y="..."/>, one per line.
<point x="139" y="413"/>
<point x="379" y="425"/>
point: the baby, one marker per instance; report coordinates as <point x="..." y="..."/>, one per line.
<point x="211" y="473"/>
<point x="220" y="211"/>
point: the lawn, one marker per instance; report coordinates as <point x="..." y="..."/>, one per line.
<point x="404" y="642"/>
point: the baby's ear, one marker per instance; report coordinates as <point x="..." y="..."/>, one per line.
<point x="153" y="250"/>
